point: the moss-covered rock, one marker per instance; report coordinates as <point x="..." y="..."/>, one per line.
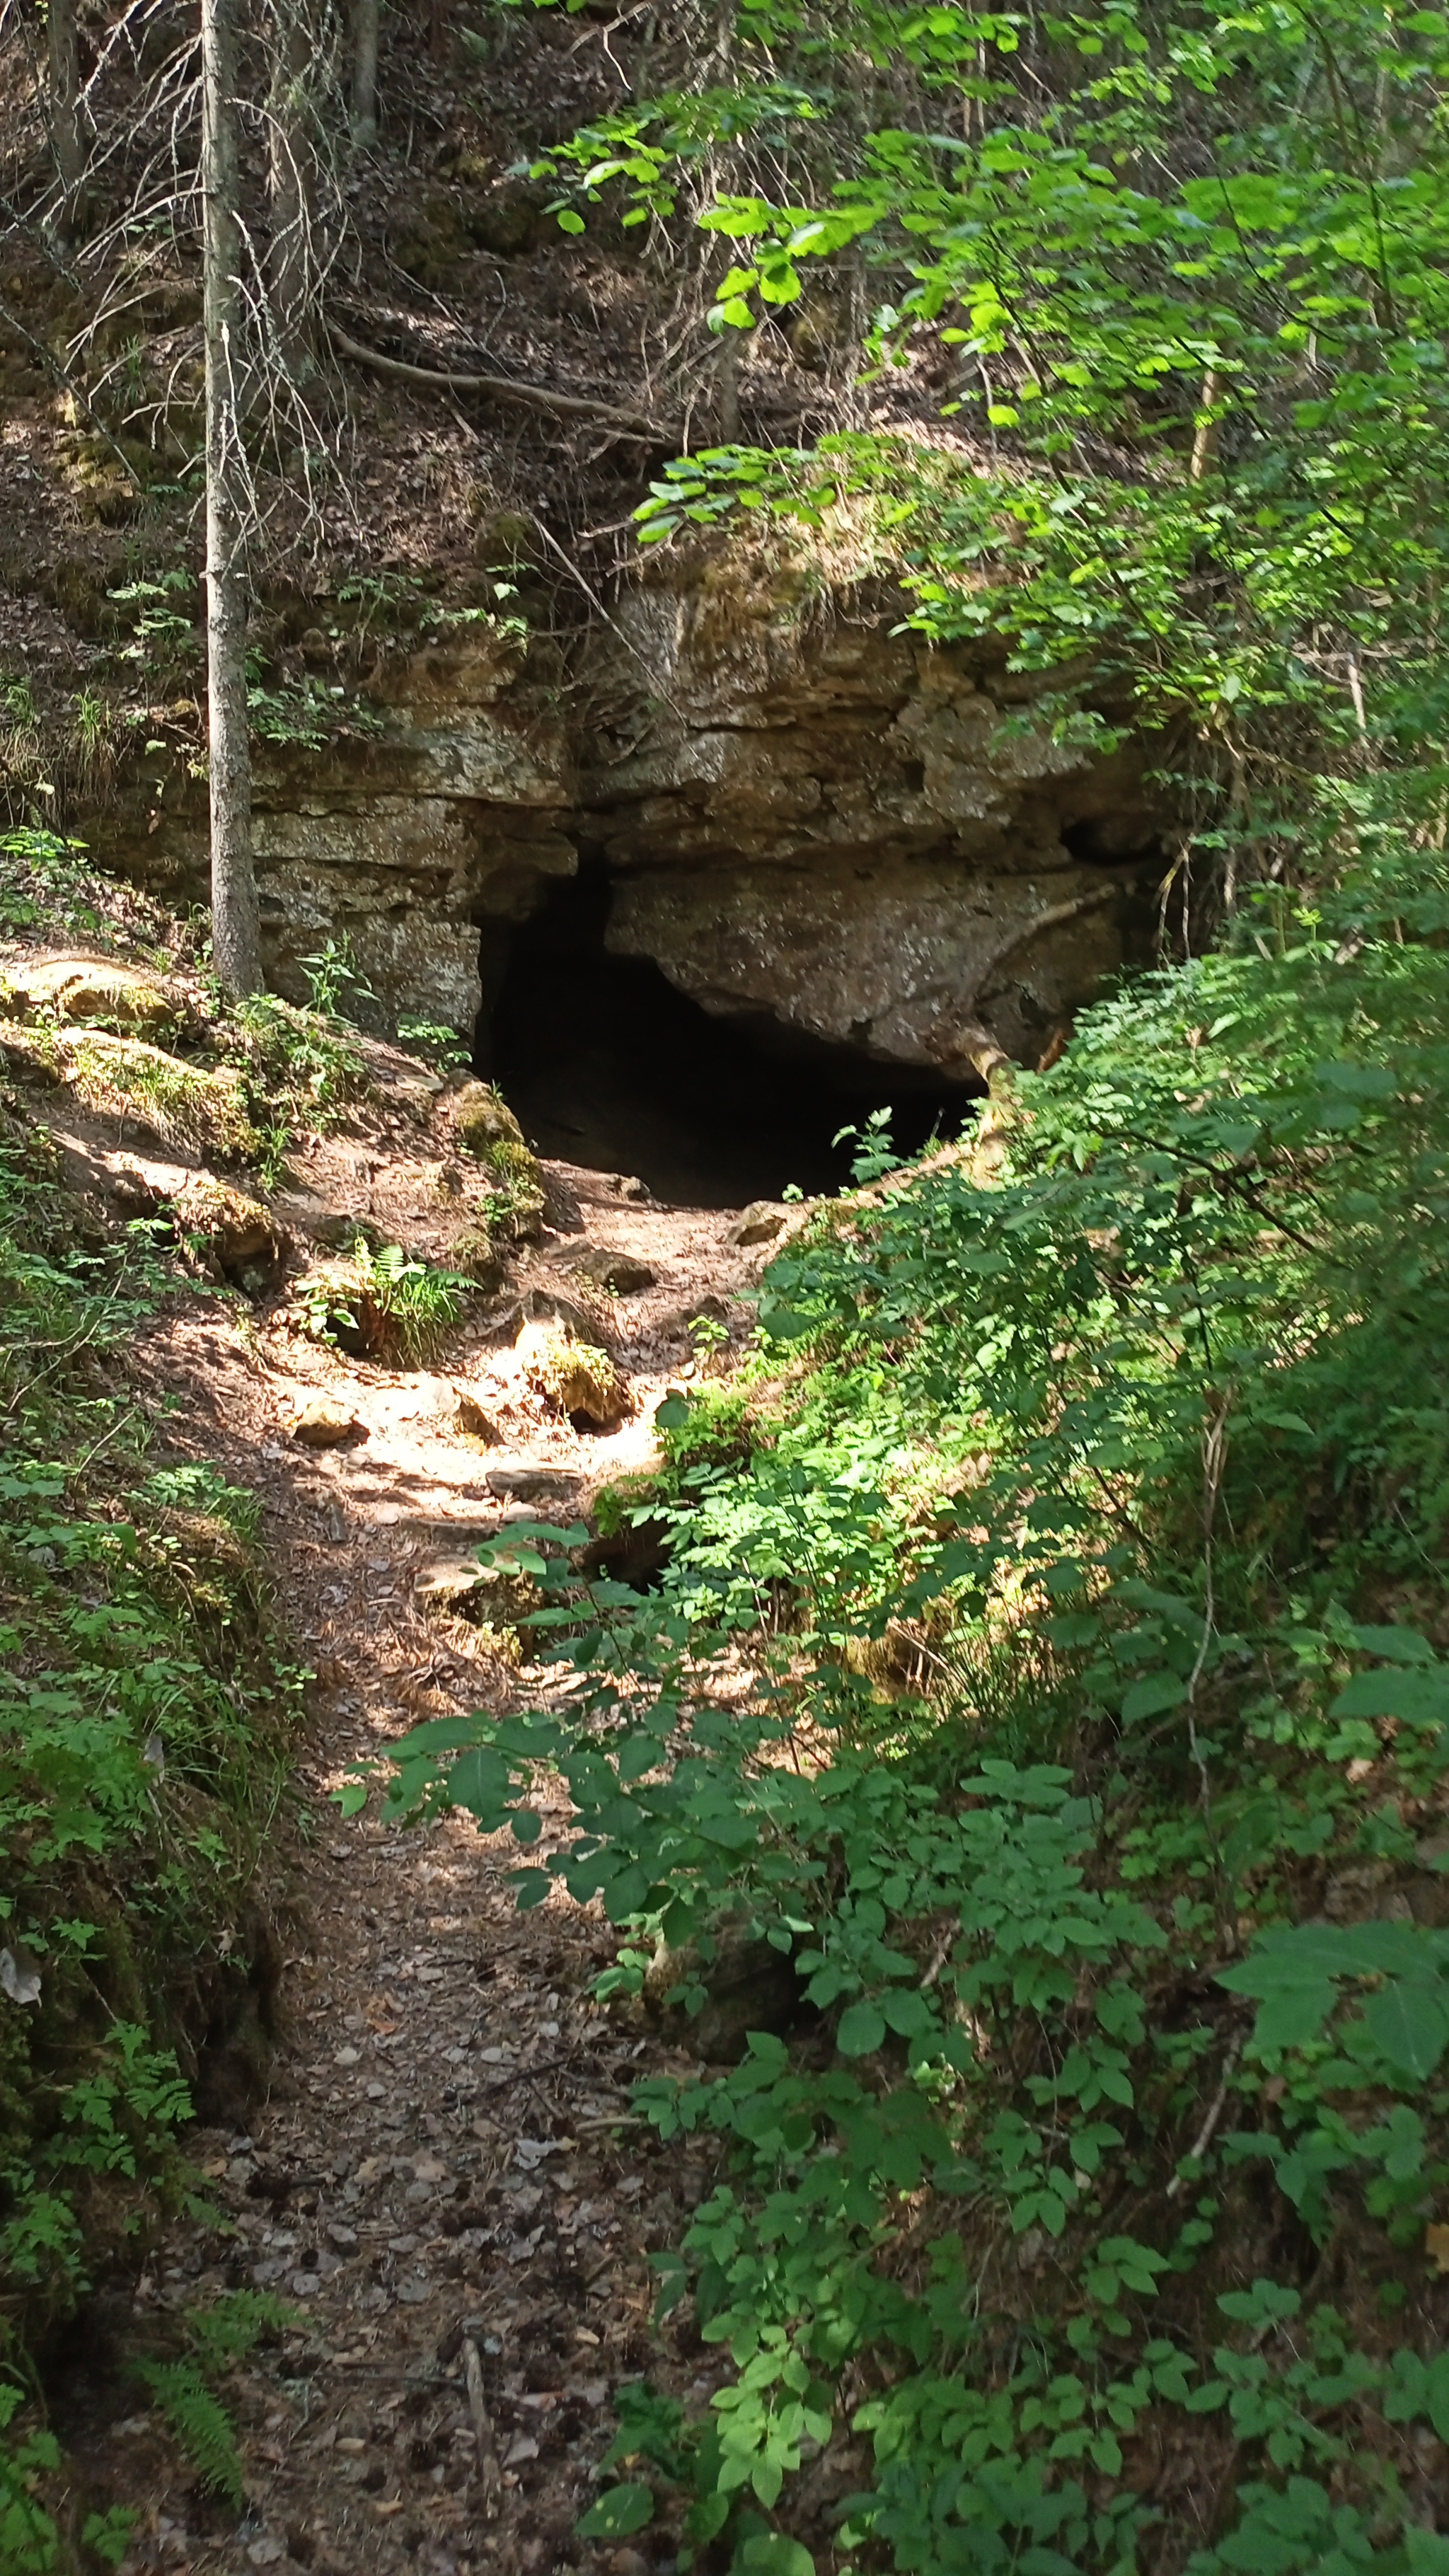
<point x="203" y="1109"/>
<point x="483" y="1119"/>
<point x="577" y="1378"/>
<point x="516" y="1208"/>
<point x="102" y="991"/>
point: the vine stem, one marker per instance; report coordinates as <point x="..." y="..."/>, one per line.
<point x="1214" y="1458"/>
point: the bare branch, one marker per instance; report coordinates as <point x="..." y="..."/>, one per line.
<point x="568" y="406"/>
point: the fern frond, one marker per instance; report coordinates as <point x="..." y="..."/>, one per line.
<point x="200" y="2423"/>
<point x="233" y="2326"/>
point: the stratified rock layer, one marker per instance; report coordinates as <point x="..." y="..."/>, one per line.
<point x="829" y="824"/>
<point x="812" y="820"/>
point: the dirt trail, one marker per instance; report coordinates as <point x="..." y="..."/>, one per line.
<point x="444" y="2164"/>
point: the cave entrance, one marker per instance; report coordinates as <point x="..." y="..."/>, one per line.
<point x="608" y="1065"/>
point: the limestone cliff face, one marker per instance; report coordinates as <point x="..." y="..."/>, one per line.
<point x="813" y="817"/>
<point x="809" y="817"/>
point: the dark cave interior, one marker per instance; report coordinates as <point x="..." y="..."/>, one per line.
<point x="608" y="1065"/>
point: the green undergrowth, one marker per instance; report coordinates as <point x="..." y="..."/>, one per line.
<point x="382" y="1300"/>
<point x="1083" y="1518"/>
<point x="239" y="1081"/>
<point x="143" y="1727"/>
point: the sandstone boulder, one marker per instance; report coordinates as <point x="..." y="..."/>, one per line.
<point x="758" y="1223"/>
<point x="201" y="1108"/>
<point x="524" y="1484"/>
<point x="619" y="1274"/>
<point x="93" y="989"/>
<point x="549" y="1306"/>
<point x="469" y="1417"/>
<point x="324" y="1422"/>
<point x="236" y="1237"/>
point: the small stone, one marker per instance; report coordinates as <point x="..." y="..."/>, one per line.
<point x="346" y="2056"/>
<point x="470" y="1418"/>
<point x="619" y="1273"/>
<point x="324" y="1423"/>
<point x="629" y="1186"/>
<point x="524" y="1483"/>
<point x="522" y="2447"/>
<point x="758" y="1223"/>
<point x="344" y="2238"/>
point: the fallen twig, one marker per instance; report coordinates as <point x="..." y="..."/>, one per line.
<point x="1203" y="2140"/>
<point x="490" y="2476"/>
<point x="507" y="389"/>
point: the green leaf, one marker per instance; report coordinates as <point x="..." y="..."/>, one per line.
<point x="479" y="1782"/>
<point x="617" y="2512"/>
<point x="862" y="2028"/>
<point x="1151" y="1695"/>
<point x="1359" y="1081"/>
<point x="1436" y="2394"/>
<point x="1409" y="2022"/>
<point x="1418" y="1697"/>
<point x="773" y="2553"/>
<point x="909" y="2013"/>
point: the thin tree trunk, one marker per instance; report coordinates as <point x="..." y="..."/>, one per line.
<point x="364" y="71"/>
<point x="727" y="388"/>
<point x="1205" y="430"/>
<point x="292" y="188"/>
<point x="235" y="926"/>
<point x="64" y="53"/>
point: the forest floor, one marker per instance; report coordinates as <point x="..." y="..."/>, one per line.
<point x="444" y="2162"/>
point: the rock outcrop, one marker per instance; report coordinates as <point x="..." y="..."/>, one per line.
<point x="812" y="819"/>
<point x="825" y="823"/>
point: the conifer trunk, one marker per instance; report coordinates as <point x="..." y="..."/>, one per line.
<point x="292" y="187"/>
<point x="235" y="925"/>
<point x="64" y="69"/>
<point x="364" y="71"/>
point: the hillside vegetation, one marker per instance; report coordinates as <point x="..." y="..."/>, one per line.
<point x="1046" y="1690"/>
<point x="1081" y="1520"/>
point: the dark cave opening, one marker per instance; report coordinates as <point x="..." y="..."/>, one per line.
<point x="608" y="1065"/>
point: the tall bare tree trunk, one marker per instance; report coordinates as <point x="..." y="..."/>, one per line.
<point x="292" y="186"/>
<point x="364" y="71"/>
<point x="235" y="926"/>
<point x="64" y="53"/>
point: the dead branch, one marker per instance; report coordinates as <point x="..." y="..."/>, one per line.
<point x="569" y="406"/>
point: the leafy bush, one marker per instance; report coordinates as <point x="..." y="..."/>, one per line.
<point x="1087" y="1543"/>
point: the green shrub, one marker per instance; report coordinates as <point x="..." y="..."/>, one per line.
<point x="1134" y="1447"/>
